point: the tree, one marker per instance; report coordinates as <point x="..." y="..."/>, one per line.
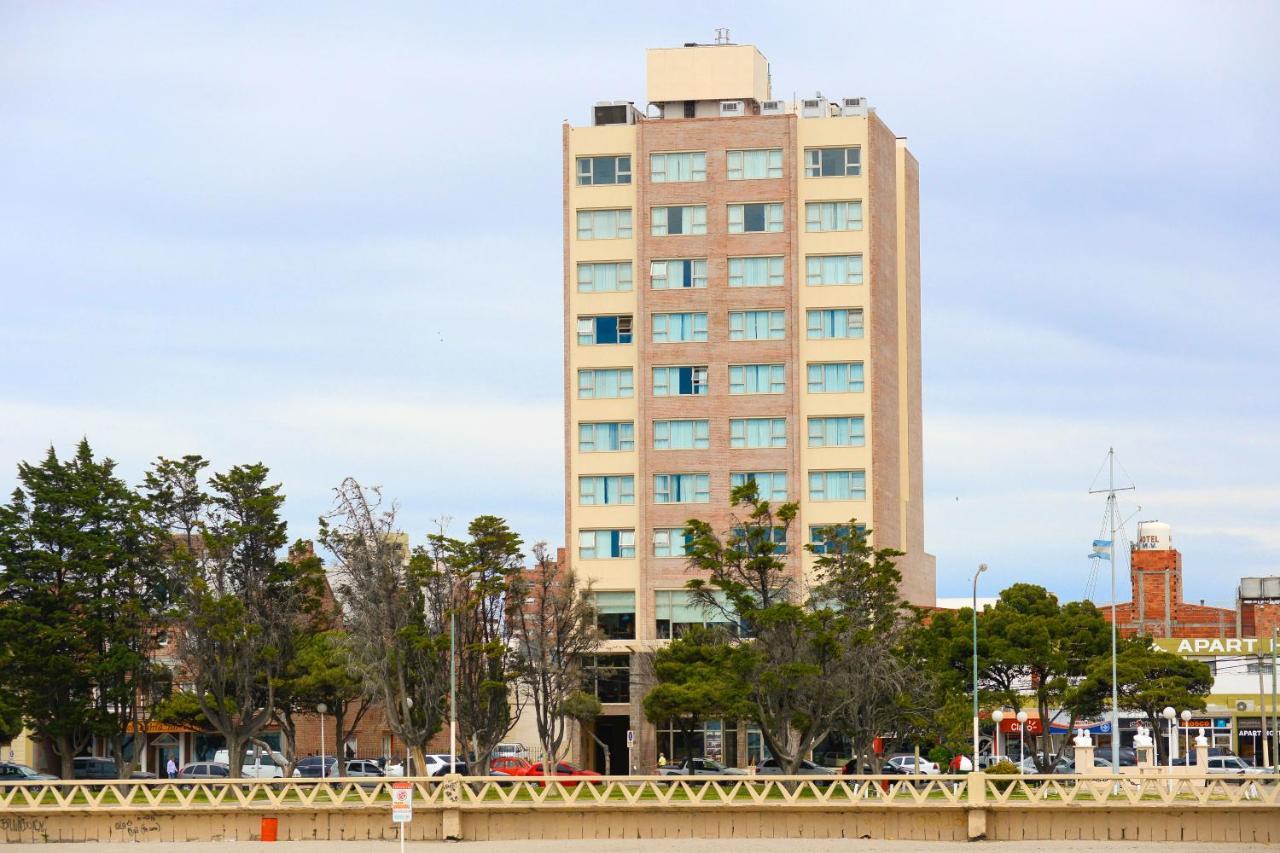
<point x="320" y="672"/>
<point x="696" y="679"/>
<point x="583" y="708"/>
<point x="394" y="615"/>
<point x="77" y="593"/>
<point x="554" y="629"/>
<point x="812" y="648"/>
<point x="484" y="579"/>
<point x="1151" y="680"/>
<point x="1033" y="643"/>
<point x="238" y="603"/>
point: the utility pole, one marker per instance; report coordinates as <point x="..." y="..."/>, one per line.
<point x="1113" y="516"/>
<point x="1275" y="709"/>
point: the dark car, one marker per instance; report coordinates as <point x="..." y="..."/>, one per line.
<point x="11" y="771"/>
<point x="363" y="767"/>
<point x="205" y="770"/>
<point x="94" y="767"/>
<point x="315" y="767"/>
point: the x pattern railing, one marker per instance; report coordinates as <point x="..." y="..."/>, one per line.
<point x="477" y="793"/>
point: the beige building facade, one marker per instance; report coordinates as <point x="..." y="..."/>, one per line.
<point x="742" y="301"/>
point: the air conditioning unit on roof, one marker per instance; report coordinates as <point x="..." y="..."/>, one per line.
<point x="813" y="107"/>
<point x="614" y="112"/>
<point x="732" y="108"/>
<point x="853" y="107"/>
<point x="773" y="108"/>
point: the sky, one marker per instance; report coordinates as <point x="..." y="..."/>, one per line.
<point x="327" y="237"/>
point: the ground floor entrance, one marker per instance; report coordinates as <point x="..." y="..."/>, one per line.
<point x="611" y="731"/>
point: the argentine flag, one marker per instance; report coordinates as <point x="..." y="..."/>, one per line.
<point x="1101" y="549"/>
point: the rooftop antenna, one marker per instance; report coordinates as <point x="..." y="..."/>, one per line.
<point x="722" y="35"/>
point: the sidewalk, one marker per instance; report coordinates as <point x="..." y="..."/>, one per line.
<point x="647" y="845"/>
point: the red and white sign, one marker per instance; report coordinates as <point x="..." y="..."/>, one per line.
<point x="1010" y="726"/>
<point x="401" y="802"/>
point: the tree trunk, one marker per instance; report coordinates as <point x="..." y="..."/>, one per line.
<point x="64" y="746"/>
<point x="419" y="759"/>
<point x="235" y="755"/>
<point x="605" y="750"/>
<point x="339" y="745"/>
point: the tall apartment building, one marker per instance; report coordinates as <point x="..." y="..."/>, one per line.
<point x="742" y="300"/>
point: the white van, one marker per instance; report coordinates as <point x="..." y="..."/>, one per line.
<point x="257" y="764"/>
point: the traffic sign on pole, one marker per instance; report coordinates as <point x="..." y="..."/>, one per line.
<point x="401" y="802"/>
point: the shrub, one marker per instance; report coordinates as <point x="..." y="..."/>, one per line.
<point x="1003" y="767"/>
<point x="941" y="756"/>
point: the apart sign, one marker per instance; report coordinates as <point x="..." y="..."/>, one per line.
<point x="401" y="802"/>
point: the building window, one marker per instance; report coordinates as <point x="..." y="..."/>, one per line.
<point x="837" y="432"/>
<point x="609" y="676"/>
<point x="604" y="224"/>
<point x="832" y="162"/>
<point x="616" y="615"/>
<point x="835" y="377"/>
<point x="679" y="381"/>
<point x="670" y="221"/>
<point x="675" y="612"/>
<point x="770" y="485"/>
<point x="681" y="488"/>
<point x="676" y="274"/>
<point x="757" y="432"/>
<point x="777" y="535"/>
<point x="833" y="216"/>
<point x="607" y="277"/>
<point x="606" y="437"/>
<point x="835" y="323"/>
<point x="833" y="269"/>
<point x="681" y="435"/>
<point x="608" y="490"/>
<point x="605" y="383"/>
<point x="757" y="379"/>
<point x="670" y="168"/>
<point x="608" y="329"/>
<point x="675" y="328"/>
<point x="606" y="544"/>
<point x="837" y="486"/>
<point x="755" y="218"/>
<point x="756" y="272"/>
<point x="612" y="169"/>
<point x="757" y="325"/>
<point x="818" y="537"/>
<point x="670" y="542"/>
<point x="756" y="163"/>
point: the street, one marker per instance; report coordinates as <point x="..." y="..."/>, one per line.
<point x="645" y="845"/>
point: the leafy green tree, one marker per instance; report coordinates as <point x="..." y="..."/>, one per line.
<point x="77" y="594"/>
<point x="583" y="708"/>
<point x="1151" y="680"/>
<point x="483" y="576"/>
<point x="320" y="672"/>
<point x="810" y="650"/>
<point x="696" y="679"/>
<point x="237" y="603"/>
<point x="181" y="708"/>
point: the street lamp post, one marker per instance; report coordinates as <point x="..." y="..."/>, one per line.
<point x="982" y="567"/>
<point x="1170" y="715"/>
<point x="1186" y="737"/>
<point x="997" y="717"/>
<point x="408" y="709"/>
<point x="1022" y="741"/>
<point x="321" y="709"/>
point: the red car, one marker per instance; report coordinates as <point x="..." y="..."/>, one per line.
<point x="565" y="773"/>
<point x="509" y="766"/>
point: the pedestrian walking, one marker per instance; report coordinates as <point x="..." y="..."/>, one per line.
<point x="171" y="769"/>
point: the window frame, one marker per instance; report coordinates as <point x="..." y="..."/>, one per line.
<point x="777" y="378"/>
<point x="595" y="442"/>
<point x="814" y="224"/>
<point x="592" y="280"/>
<point x="618" y="226"/>
<point x="629" y="387"/>
<point x="700" y="479"/>
<point x="701" y="432"/>
<point x="825" y="474"/>
<point x="739" y="478"/>
<point x="741" y="168"/>
<point x="694" y="277"/>
<point x="667" y="157"/>
<point x="590" y="338"/>
<point x="815" y="169"/>
<point x="618" y="172"/>
<point x="621" y="538"/>
<point x="620" y="488"/>
<point x="774" y="215"/>
<point x="697" y="325"/>
<point x="779" y="314"/>
<point x="740" y="438"/>
<point x="848" y="365"/>
<point x="775" y="270"/>
<point x="819" y="431"/>
<point x="821" y="327"/>
<point x="851" y="278"/>
<point x="665" y="227"/>
<point x="696" y="380"/>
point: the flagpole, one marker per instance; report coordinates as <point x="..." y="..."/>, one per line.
<point x="1112" y="515"/>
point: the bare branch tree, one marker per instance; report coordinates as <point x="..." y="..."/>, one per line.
<point x="556" y="628"/>
<point x="394" y="613"/>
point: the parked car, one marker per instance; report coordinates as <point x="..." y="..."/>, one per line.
<point x="508" y="765"/>
<point x="565" y="773"/>
<point x="985" y="761"/>
<point x="771" y="767"/>
<point x="11" y="771"/>
<point x="511" y="750"/>
<point x="256" y="764"/>
<point x="908" y="763"/>
<point x="438" y="765"/>
<point x="363" y="767"/>
<point x="1234" y="765"/>
<point x="94" y="767"/>
<point x="316" y="767"/>
<point x="700" y="767"/>
<point x="205" y="770"/>
<point x="390" y="766"/>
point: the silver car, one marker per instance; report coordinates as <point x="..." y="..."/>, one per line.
<point x="771" y="767"/>
<point x="700" y="767"/>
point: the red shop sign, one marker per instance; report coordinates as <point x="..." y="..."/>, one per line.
<point x="1010" y="726"/>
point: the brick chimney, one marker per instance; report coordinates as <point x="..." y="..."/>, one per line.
<point x="1155" y="569"/>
